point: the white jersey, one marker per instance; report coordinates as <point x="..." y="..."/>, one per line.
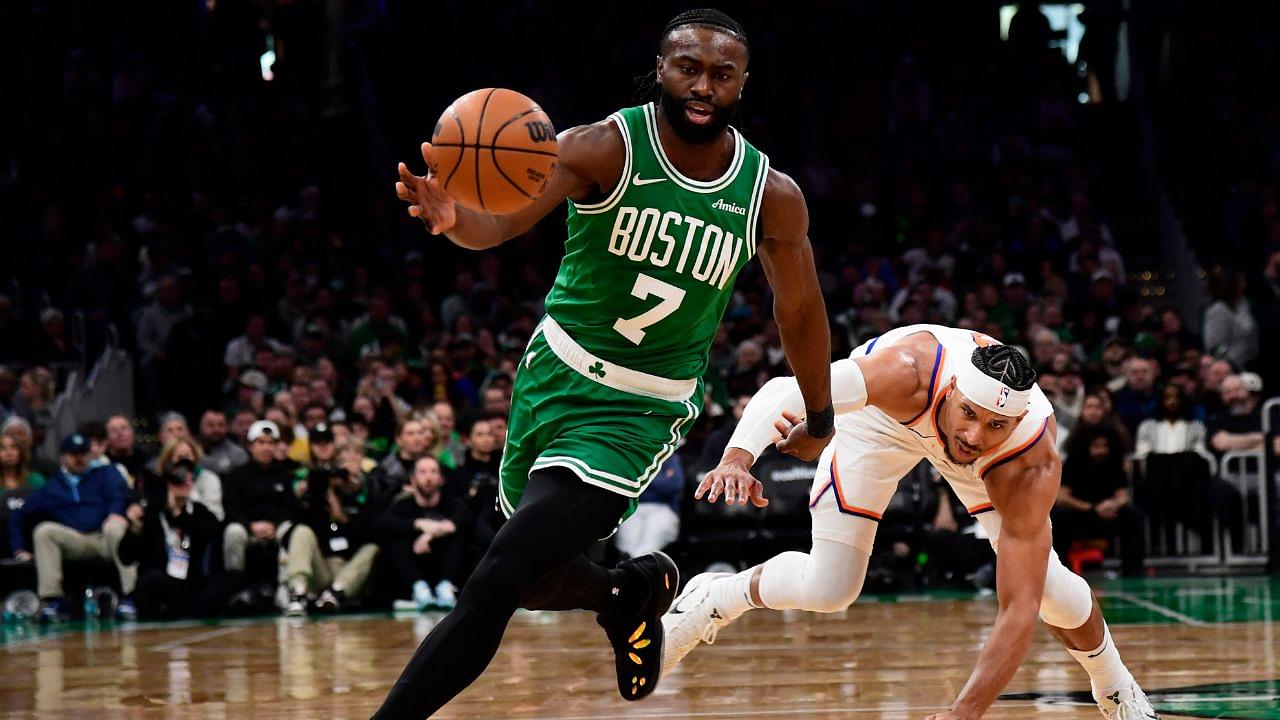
<point x="955" y="346"/>
<point x="859" y="471"/>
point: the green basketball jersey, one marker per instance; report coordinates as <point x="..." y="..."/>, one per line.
<point x="648" y="272"/>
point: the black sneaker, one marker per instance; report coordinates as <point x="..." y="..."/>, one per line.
<point x="637" y="638"/>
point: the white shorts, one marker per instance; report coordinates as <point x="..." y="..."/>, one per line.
<point x="859" y="472"/>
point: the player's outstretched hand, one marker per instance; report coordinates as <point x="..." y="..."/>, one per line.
<point x="733" y="479"/>
<point x="796" y="440"/>
<point x="427" y="199"/>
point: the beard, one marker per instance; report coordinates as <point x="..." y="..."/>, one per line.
<point x="692" y="133"/>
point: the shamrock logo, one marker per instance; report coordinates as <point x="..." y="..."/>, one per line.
<point x="597" y="369"/>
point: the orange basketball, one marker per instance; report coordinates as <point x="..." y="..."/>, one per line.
<point x="494" y="150"/>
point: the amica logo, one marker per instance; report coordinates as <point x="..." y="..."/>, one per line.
<point x="720" y="204"/>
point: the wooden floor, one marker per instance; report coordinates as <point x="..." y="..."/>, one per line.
<point x="1212" y="647"/>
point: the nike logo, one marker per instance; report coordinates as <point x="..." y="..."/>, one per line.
<point x="675" y="607"/>
<point x="649" y="181"/>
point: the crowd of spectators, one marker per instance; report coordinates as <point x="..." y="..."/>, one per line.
<point x="322" y="387"/>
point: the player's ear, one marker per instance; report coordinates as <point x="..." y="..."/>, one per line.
<point x="745" y="77"/>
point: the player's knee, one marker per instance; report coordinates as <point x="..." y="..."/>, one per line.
<point x="1067" y="601"/>
<point x="834" y="597"/>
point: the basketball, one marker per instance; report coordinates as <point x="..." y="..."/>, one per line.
<point x="494" y="150"/>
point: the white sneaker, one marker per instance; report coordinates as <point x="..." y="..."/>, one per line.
<point x="691" y="619"/>
<point x="296" y="607"/>
<point x="446" y="595"/>
<point x="1127" y="702"/>
<point x="422" y="596"/>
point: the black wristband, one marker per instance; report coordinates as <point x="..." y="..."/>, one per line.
<point x="821" y="423"/>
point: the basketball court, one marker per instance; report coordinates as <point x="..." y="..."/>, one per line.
<point x="1205" y="647"/>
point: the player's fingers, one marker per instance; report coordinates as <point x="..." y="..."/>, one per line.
<point x="744" y="491"/>
<point x="757" y="494"/>
<point x="782" y="426"/>
<point x="717" y="489"/>
<point x="731" y="491"/>
<point x="791" y="417"/>
<point x="426" y="153"/>
<point x="405" y="176"/>
<point x="403" y="192"/>
<point x="704" y="486"/>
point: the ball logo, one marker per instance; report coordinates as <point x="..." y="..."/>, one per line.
<point x="540" y="131"/>
<point x="1003" y="398"/>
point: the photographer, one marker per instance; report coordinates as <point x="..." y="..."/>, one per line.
<point x="329" y="551"/>
<point x="176" y="543"/>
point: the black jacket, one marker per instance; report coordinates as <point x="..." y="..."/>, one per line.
<point x="396" y="523"/>
<point x="254" y="492"/>
<point x="357" y="506"/>
<point x="196" y="524"/>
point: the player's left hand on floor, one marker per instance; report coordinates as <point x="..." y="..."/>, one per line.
<point x="735" y="484"/>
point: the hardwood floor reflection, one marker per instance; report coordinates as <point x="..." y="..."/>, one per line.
<point x="877" y="660"/>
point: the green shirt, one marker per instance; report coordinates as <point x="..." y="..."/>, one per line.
<point x="648" y="271"/>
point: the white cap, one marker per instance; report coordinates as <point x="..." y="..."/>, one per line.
<point x="263" y="427"/>
<point x="1252" y="382"/>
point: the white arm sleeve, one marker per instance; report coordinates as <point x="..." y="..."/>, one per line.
<point x="755" y="430"/>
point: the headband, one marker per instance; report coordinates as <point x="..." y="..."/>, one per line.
<point x="988" y="392"/>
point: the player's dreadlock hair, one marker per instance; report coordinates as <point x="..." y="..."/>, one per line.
<point x="1006" y="364"/>
<point x="704" y="16"/>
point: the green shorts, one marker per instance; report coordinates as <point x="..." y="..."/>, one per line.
<point x="563" y="414"/>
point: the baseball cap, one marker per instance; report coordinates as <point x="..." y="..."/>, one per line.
<point x="75" y="444"/>
<point x="1103" y="274"/>
<point x="263" y="427"/>
<point x="321" y="433"/>
<point x="1014" y="278"/>
<point x="1252" y="382"/>
<point x="255" y="379"/>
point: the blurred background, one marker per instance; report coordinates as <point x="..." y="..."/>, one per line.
<point x="198" y="218"/>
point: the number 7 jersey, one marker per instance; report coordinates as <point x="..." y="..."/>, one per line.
<point x="648" y="271"/>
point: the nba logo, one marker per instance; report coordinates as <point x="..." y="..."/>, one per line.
<point x="1003" y="398"/>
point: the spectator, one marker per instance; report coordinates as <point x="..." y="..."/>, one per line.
<point x="420" y="536"/>
<point x="122" y="448"/>
<point x="251" y="392"/>
<point x="17" y="481"/>
<point x="394" y="471"/>
<point x="239" y="430"/>
<point x="172" y="426"/>
<point x="259" y="499"/>
<point x="221" y="455"/>
<point x="749" y="371"/>
<point x="497" y="401"/>
<point x="96" y="432"/>
<point x="206" y="486"/>
<point x="476" y="480"/>
<point x="1239" y="425"/>
<point x="377" y="331"/>
<point x="713" y="447"/>
<point x="156" y="327"/>
<point x="1230" y="331"/>
<point x="50" y="344"/>
<point x="331" y="551"/>
<point x="1176" y="483"/>
<point x="35" y="393"/>
<point x="1137" y="400"/>
<point x="175" y="543"/>
<point x="1093" y="501"/>
<point x="446" y="419"/>
<point x="79" y="514"/>
<point x="242" y="351"/>
<point x="656" y="521"/>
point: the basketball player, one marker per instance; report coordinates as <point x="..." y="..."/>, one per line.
<point x="968" y="405"/>
<point x="667" y="203"/>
